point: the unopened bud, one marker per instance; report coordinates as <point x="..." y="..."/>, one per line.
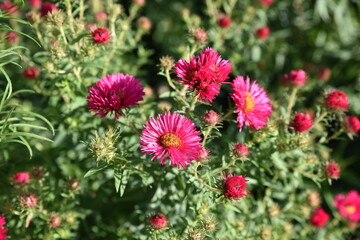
<point x="167" y="62"/>
<point x="56" y="18"/>
<point x="240" y="150"/>
<point x="198" y="34"/>
<point x="211" y="118"/>
<point x="266" y="233"/>
<point x="103" y="147"/>
<point x="144" y="23"/>
<point x="158" y="221"/>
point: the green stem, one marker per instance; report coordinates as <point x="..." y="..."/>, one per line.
<point x="318" y="120"/>
<point x="290" y="105"/>
<point x="171" y="84"/>
<point x="193" y="102"/>
<point x="334" y="136"/>
<point x="231" y="110"/>
<point x="131" y="125"/>
<point x="207" y="132"/>
<point x="203" y="182"/>
<point x="224" y="167"/>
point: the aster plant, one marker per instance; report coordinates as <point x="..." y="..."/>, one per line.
<point x="240" y="135"/>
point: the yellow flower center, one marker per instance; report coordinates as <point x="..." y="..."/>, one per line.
<point x="249" y="102"/>
<point x="170" y="140"/>
<point x="350" y="209"/>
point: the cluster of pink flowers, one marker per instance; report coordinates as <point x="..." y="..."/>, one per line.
<point x="3" y="229"/>
<point x="204" y="74"/>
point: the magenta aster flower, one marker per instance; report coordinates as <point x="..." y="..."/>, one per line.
<point x="252" y="102"/>
<point x="234" y="186"/>
<point x="171" y="136"/>
<point x="113" y="93"/>
<point x="204" y="74"/>
<point x="348" y="205"/>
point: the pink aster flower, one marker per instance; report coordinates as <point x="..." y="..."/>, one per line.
<point x="204" y="74"/>
<point x="171" y="136"/>
<point x="113" y="93"/>
<point x="252" y="102"/>
<point x="348" y="205"/>
<point x="3" y="230"/>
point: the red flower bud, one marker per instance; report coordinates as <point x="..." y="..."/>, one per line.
<point x="319" y="218"/>
<point x="31" y="73"/>
<point x="47" y="8"/>
<point x="302" y="122"/>
<point x="54" y="221"/>
<point x="262" y="32"/>
<point x="240" y="150"/>
<point x="100" y="35"/>
<point x="21" y="177"/>
<point x="295" y="78"/>
<point x="324" y="74"/>
<point x="158" y="221"/>
<point x="211" y="118"/>
<point x="337" y="101"/>
<point x="352" y="124"/>
<point x="224" y="21"/>
<point x="234" y="186"/>
<point x="333" y="170"/>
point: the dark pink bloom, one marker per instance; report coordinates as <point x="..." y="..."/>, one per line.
<point x="47" y="8"/>
<point x="352" y="124"/>
<point x="333" y="170"/>
<point x="234" y="186"/>
<point x="21" y="177"/>
<point x="205" y="74"/>
<point x="7" y="7"/>
<point x="324" y="74"/>
<point x="100" y="35"/>
<point x="211" y="118"/>
<point x="252" y="102"/>
<point x="337" y="101"/>
<point x="295" y="78"/>
<point x="348" y="205"/>
<point x="35" y="3"/>
<point x="262" y="32"/>
<point x="224" y="21"/>
<point x="302" y="122"/>
<point x="319" y="218"/>
<point x="113" y="93"/>
<point x="171" y="136"/>
<point x="31" y="73"/>
<point x="241" y="150"/>
<point x="158" y="221"/>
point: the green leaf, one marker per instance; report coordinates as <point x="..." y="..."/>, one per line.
<point x="121" y="178"/>
<point x="92" y="171"/>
